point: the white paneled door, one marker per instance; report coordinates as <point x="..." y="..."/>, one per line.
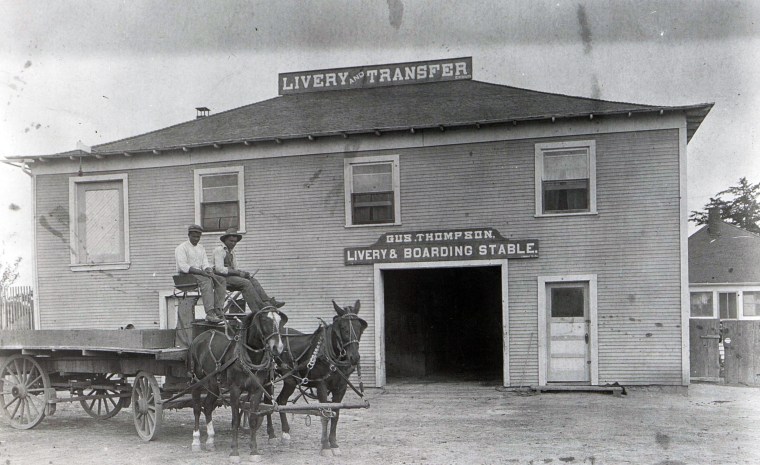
<point x="568" y="331"/>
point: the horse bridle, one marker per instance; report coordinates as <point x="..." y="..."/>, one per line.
<point x="354" y="338"/>
<point x="258" y="315"/>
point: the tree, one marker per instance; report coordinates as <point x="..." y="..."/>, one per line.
<point x="8" y="274"/>
<point x="741" y="209"/>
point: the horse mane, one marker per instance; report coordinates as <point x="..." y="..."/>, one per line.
<point x="246" y="325"/>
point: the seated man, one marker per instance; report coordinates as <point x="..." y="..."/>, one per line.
<point x="238" y="280"/>
<point x="192" y="260"/>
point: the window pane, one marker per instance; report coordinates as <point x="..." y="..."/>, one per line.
<point x="568" y="164"/>
<point x="751" y="305"/>
<point x="98" y="212"/>
<point x="220" y="194"/>
<point x="567" y="302"/>
<point x="102" y="226"/>
<point x="219" y="216"/>
<point x="377" y="177"/>
<point x="219" y="180"/>
<point x="373" y="208"/>
<point x="702" y="304"/>
<point x="220" y="205"/>
<point x="564" y="196"/>
<point x="727" y="305"/>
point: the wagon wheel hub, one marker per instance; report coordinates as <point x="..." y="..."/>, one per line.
<point x="142" y="405"/>
<point x="19" y="391"/>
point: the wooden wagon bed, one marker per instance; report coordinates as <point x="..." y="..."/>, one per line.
<point x="104" y="370"/>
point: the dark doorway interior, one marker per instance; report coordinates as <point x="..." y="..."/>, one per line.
<point x="444" y="323"/>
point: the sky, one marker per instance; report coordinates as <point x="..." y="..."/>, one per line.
<point x="98" y="71"/>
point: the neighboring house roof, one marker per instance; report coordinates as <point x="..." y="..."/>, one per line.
<point x="730" y="255"/>
<point x="383" y="109"/>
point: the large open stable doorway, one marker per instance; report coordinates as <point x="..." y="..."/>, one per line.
<point x="444" y="324"/>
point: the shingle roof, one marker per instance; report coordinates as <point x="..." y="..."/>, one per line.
<point x="418" y="106"/>
<point x="730" y="257"/>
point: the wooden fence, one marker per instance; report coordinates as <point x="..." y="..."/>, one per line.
<point x="741" y="340"/>
<point x="17" y="308"/>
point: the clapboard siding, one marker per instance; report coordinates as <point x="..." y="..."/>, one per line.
<point x="295" y="236"/>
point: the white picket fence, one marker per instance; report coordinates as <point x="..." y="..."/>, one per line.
<point x="17" y="308"/>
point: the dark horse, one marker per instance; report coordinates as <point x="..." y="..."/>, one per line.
<point x="243" y="362"/>
<point x="323" y="360"/>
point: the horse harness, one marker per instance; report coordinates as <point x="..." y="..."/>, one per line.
<point x="324" y="350"/>
<point x="240" y="346"/>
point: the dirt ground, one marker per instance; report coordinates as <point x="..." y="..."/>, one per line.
<point x="440" y="423"/>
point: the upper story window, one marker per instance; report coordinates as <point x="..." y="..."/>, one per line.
<point x="726" y="303"/>
<point x="99" y="222"/>
<point x="565" y="178"/>
<point x="220" y="198"/>
<point x="372" y="190"/>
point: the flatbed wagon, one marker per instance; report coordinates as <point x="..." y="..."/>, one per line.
<point x="106" y="371"/>
<point x="103" y="370"/>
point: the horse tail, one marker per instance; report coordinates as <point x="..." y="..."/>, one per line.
<point x="190" y="363"/>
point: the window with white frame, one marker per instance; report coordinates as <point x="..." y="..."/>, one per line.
<point x="751" y="304"/>
<point x="99" y="222"/>
<point x="220" y="199"/>
<point x="702" y="305"/>
<point x="372" y="190"/>
<point x="726" y="303"/>
<point x="565" y="178"/>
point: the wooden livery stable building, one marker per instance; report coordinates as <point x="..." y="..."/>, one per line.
<point x="490" y="232"/>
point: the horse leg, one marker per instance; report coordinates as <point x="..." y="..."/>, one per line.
<point x="235" y="407"/>
<point x="268" y="400"/>
<point x="322" y="396"/>
<point x="209" y="404"/>
<point x="282" y="399"/>
<point x="337" y="397"/>
<point x="255" y="422"/>
<point x="196" y="445"/>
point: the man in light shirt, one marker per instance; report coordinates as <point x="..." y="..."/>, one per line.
<point x="239" y="280"/>
<point x="192" y="260"/>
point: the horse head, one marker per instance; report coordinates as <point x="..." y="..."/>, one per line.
<point x="266" y="330"/>
<point x="348" y="329"/>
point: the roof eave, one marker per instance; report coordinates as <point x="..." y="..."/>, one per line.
<point x="695" y="114"/>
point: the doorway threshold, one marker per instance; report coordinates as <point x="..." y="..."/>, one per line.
<point x="616" y="391"/>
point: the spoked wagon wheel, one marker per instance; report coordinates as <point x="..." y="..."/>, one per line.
<point x="146" y="406"/>
<point x="101" y="402"/>
<point x="24" y="391"/>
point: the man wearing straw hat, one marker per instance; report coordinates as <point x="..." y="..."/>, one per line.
<point x="192" y="260"/>
<point x="239" y="280"/>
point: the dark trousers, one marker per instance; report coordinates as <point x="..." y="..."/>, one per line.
<point x="253" y="293"/>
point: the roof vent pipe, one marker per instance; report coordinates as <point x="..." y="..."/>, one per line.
<point x="713" y="222"/>
<point x="202" y="112"/>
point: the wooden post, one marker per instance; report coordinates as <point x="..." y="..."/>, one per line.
<point x="185" y="316"/>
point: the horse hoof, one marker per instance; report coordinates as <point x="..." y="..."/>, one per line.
<point x="234" y="459"/>
<point x="326" y="453"/>
<point x="285" y="439"/>
<point x="210" y="447"/>
<point x="255" y="458"/>
<point x="197" y="448"/>
<point x="336" y="451"/>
